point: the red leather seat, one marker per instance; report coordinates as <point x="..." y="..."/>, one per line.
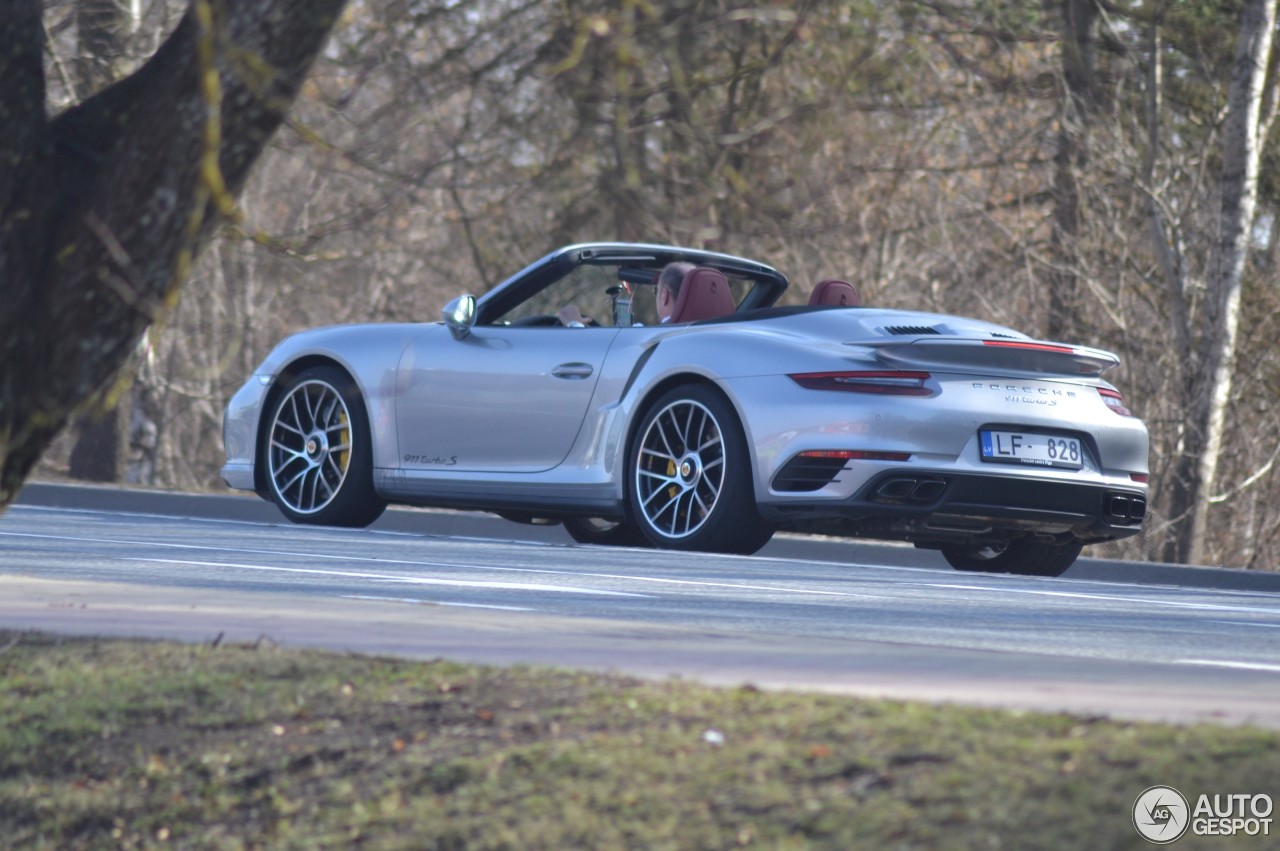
<point x="704" y="294"/>
<point x="835" y="293"/>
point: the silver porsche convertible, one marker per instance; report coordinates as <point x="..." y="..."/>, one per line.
<point x="706" y="425"/>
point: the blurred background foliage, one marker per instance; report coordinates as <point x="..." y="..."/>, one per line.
<point x="1057" y="167"/>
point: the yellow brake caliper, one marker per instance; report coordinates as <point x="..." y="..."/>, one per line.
<point x="673" y="491"/>
<point x="344" y="457"/>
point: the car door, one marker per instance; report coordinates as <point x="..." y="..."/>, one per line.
<point x="503" y="399"/>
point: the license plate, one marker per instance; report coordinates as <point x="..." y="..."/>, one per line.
<point x="1037" y="450"/>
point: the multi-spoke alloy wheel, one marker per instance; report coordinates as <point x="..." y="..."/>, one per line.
<point x="690" y="480"/>
<point x="680" y="473"/>
<point x="310" y="450"/>
<point x="317" y="452"/>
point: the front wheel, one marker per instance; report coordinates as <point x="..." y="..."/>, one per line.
<point x="689" y="476"/>
<point x="1021" y="557"/>
<point x="318" y="454"/>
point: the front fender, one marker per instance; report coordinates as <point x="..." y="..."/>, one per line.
<point x="370" y="354"/>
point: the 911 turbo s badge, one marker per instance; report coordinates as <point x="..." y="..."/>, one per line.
<point x="432" y="460"/>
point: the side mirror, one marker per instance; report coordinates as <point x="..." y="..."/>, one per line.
<point x="460" y="316"/>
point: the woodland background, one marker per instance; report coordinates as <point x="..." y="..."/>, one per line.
<point x="1083" y="170"/>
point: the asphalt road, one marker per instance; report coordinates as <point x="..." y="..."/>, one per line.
<point x="1109" y="638"/>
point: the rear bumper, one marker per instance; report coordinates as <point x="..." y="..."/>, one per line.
<point x="938" y="506"/>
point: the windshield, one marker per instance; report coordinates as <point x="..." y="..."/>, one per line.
<point x="593" y="288"/>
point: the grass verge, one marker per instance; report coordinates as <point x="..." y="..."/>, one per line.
<point x="132" y="744"/>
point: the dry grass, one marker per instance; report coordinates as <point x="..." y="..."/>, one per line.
<point x="129" y="744"/>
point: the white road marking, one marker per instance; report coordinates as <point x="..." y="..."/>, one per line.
<point x="777" y="589"/>
<point x="456" y="566"/>
<point x="1226" y="663"/>
<point x="56" y="509"/>
<point x="386" y="577"/>
<point x="415" y="601"/>
<point x="1111" y="598"/>
<point x="281" y="524"/>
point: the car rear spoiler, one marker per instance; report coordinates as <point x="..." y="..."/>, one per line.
<point x="1026" y="356"/>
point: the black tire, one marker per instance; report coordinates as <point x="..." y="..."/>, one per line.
<point x="317" y="452"/>
<point x="608" y="533"/>
<point x="1020" y="557"/>
<point x="689" y="477"/>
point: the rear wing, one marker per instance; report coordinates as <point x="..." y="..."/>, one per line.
<point x="1004" y="356"/>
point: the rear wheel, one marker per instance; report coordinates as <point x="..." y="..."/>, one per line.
<point x="318" y="454"/>
<point x="598" y="530"/>
<point x="689" y="476"/>
<point x="1021" y="557"/>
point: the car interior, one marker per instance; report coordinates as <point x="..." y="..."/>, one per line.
<point x="622" y="292"/>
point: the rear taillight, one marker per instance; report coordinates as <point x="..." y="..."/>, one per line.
<point x="1115" y="402"/>
<point x="884" y="382"/>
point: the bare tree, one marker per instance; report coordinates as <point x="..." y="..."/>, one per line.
<point x="1245" y="127"/>
<point x="1078" y="104"/>
<point x="104" y="207"/>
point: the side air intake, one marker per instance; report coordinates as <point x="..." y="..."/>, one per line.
<point x="805" y="474"/>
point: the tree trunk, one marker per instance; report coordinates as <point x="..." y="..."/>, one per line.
<point x="1241" y="154"/>
<point x="1171" y="254"/>
<point x="102" y="436"/>
<point x="1078" y="102"/>
<point x="103" y="209"/>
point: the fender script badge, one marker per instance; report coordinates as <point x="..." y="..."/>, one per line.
<point x="436" y="460"/>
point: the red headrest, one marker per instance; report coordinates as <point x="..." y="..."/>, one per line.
<point x="834" y="292"/>
<point x="704" y="294"/>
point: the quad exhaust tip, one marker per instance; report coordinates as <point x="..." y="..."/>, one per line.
<point x="1125" y="508"/>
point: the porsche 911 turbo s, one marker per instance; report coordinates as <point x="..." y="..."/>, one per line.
<point x="700" y="418"/>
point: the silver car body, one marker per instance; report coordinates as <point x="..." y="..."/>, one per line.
<point x="537" y="421"/>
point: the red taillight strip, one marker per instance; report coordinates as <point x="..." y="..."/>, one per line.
<point x="857" y="454"/>
<point x="1037" y="347"/>
<point x="1115" y="402"/>
<point x="888" y="382"/>
<point x="1140" y="478"/>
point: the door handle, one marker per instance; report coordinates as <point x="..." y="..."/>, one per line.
<point x="572" y="371"/>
